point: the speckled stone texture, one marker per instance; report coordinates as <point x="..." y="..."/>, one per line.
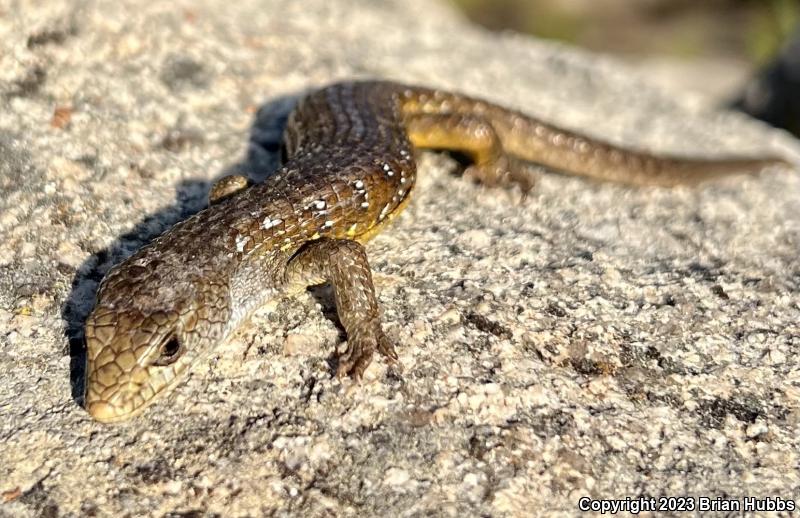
<point x="594" y="341"/>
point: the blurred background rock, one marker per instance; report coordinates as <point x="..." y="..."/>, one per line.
<point x="726" y="51"/>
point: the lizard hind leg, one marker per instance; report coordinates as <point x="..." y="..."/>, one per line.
<point x="475" y="137"/>
<point x="343" y="263"/>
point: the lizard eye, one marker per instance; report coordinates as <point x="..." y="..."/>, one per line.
<point x="169" y="352"/>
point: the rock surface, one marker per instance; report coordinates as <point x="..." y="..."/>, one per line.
<point x="594" y="341"/>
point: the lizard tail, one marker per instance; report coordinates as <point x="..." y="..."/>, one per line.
<point x="533" y="140"/>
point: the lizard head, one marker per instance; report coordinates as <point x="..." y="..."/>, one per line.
<point x="141" y="337"/>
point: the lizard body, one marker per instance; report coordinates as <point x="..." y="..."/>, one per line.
<point x="349" y="169"/>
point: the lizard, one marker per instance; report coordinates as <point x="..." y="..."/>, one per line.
<point x="349" y="169"/>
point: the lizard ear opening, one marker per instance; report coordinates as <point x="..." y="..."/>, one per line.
<point x="169" y="351"/>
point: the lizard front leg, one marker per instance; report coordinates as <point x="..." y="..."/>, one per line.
<point x="226" y="187"/>
<point x="343" y="263"/>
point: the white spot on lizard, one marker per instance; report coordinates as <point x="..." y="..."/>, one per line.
<point x="241" y="241"/>
<point x="269" y="223"/>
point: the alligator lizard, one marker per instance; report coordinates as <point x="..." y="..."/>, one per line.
<point x="349" y="169"/>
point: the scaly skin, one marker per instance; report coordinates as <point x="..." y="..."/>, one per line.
<point x="350" y="169"/>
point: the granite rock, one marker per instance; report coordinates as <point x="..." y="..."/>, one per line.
<point x="594" y="340"/>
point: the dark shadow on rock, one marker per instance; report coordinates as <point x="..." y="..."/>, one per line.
<point x="260" y="162"/>
<point x="264" y="150"/>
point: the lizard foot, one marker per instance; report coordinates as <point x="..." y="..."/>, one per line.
<point x="504" y="172"/>
<point x="361" y="345"/>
